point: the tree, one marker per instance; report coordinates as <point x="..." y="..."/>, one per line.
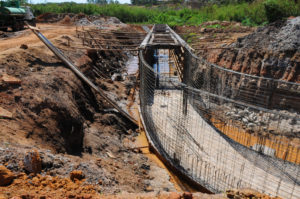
<point x="102" y="2"/>
<point x="144" y="2"/>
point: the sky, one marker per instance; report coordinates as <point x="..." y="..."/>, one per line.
<point x="77" y="1"/>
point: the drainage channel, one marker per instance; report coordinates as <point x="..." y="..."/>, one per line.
<point x="164" y="65"/>
<point x="133" y="111"/>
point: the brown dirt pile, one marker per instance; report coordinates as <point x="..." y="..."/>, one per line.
<point x="70" y="126"/>
<point x="40" y="112"/>
<point x="6" y="176"/>
<point x="77" y="19"/>
<point x="271" y="51"/>
<point x="30" y="186"/>
<point x="53" y="17"/>
<point x="247" y="193"/>
<point x="45" y="186"/>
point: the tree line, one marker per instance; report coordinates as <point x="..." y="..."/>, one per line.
<point x="103" y="2"/>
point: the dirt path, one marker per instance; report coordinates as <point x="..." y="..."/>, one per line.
<point x="51" y="31"/>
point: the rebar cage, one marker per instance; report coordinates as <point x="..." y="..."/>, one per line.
<point x="222" y="128"/>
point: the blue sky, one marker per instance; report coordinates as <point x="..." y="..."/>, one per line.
<point x="77" y="1"/>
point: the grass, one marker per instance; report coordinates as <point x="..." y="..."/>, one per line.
<point x="259" y="12"/>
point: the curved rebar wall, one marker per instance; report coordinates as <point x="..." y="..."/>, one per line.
<point x="222" y="128"/>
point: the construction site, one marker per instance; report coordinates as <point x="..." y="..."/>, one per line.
<point x="91" y="107"/>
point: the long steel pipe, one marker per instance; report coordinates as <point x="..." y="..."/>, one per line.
<point x="67" y="62"/>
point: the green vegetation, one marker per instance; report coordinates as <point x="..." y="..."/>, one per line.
<point x="253" y="13"/>
<point x="276" y="10"/>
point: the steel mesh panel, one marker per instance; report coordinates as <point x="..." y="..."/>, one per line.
<point x="200" y="127"/>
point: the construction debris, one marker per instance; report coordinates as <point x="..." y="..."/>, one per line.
<point x="33" y="162"/>
<point x="10" y="79"/>
<point x="84" y="144"/>
<point x="71" y="125"/>
<point x="77" y="175"/>
<point x="5" y="114"/>
<point x="6" y="176"/>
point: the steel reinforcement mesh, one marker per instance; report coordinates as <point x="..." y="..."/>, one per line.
<point x="224" y="129"/>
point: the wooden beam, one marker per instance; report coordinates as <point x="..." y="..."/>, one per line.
<point x="146" y="40"/>
<point x="117" y="32"/>
<point x="122" y="40"/>
<point x="94" y="40"/>
<point x="105" y="49"/>
<point x="213" y="48"/>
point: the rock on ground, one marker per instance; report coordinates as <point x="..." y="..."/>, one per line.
<point x="33" y="162"/>
<point x="6" y="176"/>
<point x="76" y="174"/>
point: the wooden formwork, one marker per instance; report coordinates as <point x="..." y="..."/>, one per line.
<point x="110" y="40"/>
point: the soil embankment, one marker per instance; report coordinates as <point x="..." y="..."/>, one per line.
<point x="271" y="51"/>
<point x="52" y="123"/>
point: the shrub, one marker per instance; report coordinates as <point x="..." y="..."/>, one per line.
<point x="250" y="13"/>
<point x="280" y="9"/>
<point x="273" y="10"/>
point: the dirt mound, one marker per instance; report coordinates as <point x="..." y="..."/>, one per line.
<point x="77" y="19"/>
<point x="271" y="51"/>
<point x="53" y="17"/>
<point x="288" y="37"/>
<point x="76" y="175"/>
<point x="84" y="22"/>
<point x="97" y="21"/>
<point x="247" y="193"/>
<point x="46" y="186"/>
<point x="71" y="127"/>
<point x="6" y="176"/>
<point x="51" y="106"/>
<point x="38" y="108"/>
<point x="66" y="20"/>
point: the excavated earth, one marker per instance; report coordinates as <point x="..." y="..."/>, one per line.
<point x="271" y="51"/>
<point x="51" y="123"/>
<point x="59" y="139"/>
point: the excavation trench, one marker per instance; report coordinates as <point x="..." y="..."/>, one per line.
<point x="71" y="125"/>
<point x="74" y="127"/>
<point x="142" y="140"/>
<point x="131" y="106"/>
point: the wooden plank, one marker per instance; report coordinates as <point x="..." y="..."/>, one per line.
<point x="213" y="48"/>
<point x="106" y="49"/>
<point x="116" y="32"/>
<point x="123" y="45"/>
<point x="10" y="79"/>
<point x="152" y="38"/>
<point x="177" y="65"/>
<point x="175" y="40"/>
<point x="122" y="40"/>
<point x="5" y="114"/>
<point x="94" y="40"/>
<point x="161" y="46"/>
<point x="146" y="40"/>
<point x="116" y="35"/>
